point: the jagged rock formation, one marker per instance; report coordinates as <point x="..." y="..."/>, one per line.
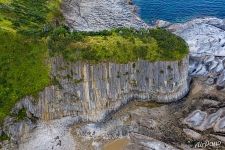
<point x="94" y="15"/>
<point x="205" y="37"/>
<point x="202" y="121"/>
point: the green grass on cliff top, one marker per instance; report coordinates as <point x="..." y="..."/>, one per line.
<point x="31" y="29"/>
<point x="118" y="45"/>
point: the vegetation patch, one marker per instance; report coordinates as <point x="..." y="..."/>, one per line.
<point x="4" y="137"/>
<point x="30" y="17"/>
<point x="24" y="28"/>
<point x="118" y="45"/>
<point x="23" y="69"/>
<point x="21" y="115"/>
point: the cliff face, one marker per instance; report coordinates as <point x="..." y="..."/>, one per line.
<point x="94" y="90"/>
<point x="104" y="87"/>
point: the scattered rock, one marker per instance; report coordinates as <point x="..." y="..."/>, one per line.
<point x="202" y="121"/>
<point x="221" y="79"/>
<point x="162" y="24"/>
<point x="206" y="40"/>
<point x="220" y="125"/>
<point x="211" y="120"/>
<point x="203" y="37"/>
<point x="210" y="81"/>
<point x="192" y="134"/>
<point x="210" y="102"/>
<point x="195" y="119"/>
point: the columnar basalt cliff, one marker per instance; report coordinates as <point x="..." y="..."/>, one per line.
<point x="101" y="88"/>
<point x="94" y="90"/>
<point x="94" y="94"/>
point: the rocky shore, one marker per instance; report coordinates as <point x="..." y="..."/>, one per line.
<point x="205" y="37"/>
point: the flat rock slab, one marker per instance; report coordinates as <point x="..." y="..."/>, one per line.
<point x="51" y="135"/>
<point x="147" y="143"/>
<point x="94" y="15"/>
<point x="193" y="134"/>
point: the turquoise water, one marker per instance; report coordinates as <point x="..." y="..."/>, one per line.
<point x="179" y="10"/>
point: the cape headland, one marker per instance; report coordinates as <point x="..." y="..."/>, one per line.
<point x="92" y="77"/>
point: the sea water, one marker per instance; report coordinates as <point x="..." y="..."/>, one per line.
<point x="179" y="10"/>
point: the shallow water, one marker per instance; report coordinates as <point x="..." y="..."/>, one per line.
<point x="179" y="10"/>
<point x="118" y="144"/>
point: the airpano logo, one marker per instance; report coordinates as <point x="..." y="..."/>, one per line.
<point x="208" y="144"/>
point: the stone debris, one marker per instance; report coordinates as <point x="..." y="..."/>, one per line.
<point x="195" y="119"/>
<point x="220" y="125"/>
<point x="162" y="23"/>
<point x="210" y="102"/>
<point x="221" y="79"/>
<point x="203" y="36"/>
<point x="202" y="121"/>
<point x="210" y="81"/>
<point x="193" y="134"/>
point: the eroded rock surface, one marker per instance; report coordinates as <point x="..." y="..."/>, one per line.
<point x="94" y="15"/>
<point x="51" y="135"/>
<point x="205" y="37"/>
<point x="146" y="143"/>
